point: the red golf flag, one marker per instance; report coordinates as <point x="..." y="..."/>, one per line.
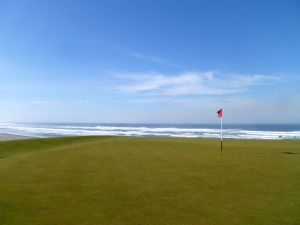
<point x="220" y="113"/>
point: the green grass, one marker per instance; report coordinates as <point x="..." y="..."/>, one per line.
<point x="143" y="181"/>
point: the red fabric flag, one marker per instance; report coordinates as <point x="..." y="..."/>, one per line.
<point x="220" y="113"/>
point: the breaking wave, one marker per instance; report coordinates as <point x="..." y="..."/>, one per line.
<point x="52" y="130"/>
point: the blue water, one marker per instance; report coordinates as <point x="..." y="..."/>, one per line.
<point x="238" y="131"/>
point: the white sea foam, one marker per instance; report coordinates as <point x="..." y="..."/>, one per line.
<point x="49" y="130"/>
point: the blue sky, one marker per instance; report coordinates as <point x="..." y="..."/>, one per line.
<point x="149" y="61"/>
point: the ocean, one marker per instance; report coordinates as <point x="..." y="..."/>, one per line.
<point x="236" y="131"/>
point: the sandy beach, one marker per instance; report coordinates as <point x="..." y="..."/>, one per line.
<point x="7" y="137"/>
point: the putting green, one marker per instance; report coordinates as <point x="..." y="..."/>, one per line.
<point x="147" y="180"/>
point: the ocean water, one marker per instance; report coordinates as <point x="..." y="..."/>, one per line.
<point x="237" y="131"/>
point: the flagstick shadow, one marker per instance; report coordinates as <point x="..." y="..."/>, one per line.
<point x="290" y="153"/>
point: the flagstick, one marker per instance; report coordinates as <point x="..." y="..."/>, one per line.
<point x="221" y="135"/>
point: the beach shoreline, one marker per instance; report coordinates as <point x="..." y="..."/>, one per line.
<point x="10" y="137"/>
<point x="246" y="131"/>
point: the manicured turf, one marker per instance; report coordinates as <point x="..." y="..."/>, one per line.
<point x="143" y="181"/>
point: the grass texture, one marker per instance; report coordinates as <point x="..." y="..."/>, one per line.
<point x="149" y="181"/>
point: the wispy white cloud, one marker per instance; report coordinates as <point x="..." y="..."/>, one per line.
<point x="152" y="59"/>
<point x="82" y="101"/>
<point x="142" y="56"/>
<point x="191" y="83"/>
